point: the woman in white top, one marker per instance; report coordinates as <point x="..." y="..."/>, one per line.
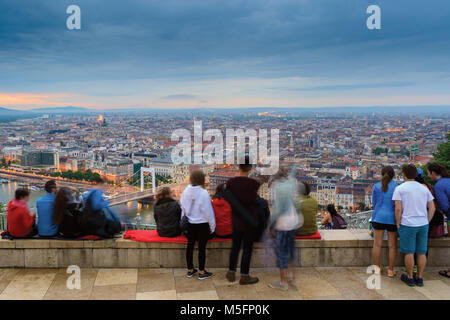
<point x="196" y="206"/>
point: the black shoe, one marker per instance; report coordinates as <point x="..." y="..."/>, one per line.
<point x="408" y="281"/>
<point x="418" y="281"/>
<point x="205" y="275"/>
<point x="190" y="274"/>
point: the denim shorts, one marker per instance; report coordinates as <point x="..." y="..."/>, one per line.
<point x="285" y="243"/>
<point x="413" y="239"/>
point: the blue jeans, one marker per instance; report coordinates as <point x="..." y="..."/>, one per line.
<point x="413" y="239"/>
<point x="285" y="243"/>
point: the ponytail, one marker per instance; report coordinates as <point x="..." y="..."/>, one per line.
<point x="387" y="175"/>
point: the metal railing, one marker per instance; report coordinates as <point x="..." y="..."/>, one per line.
<point x="360" y="220"/>
<point x="3" y="222"/>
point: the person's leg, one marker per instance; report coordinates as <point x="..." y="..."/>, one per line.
<point x="409" y="264"/>
<point x="281" y="240"/>
<point x="421" y="249"/>
<point x="291" y="264"/>
<point x="247" y="253"/>
<point x="235" y="248"/>
<point x="378" y="236"/>
<point x="392" y="244"/>
<point x="203" y="237"/>
<point x="191" y="235"/>
<point x="408" y="247"/>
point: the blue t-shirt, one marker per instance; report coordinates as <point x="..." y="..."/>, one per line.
<point x="45" y="211"/>
<point x="442" y="193"/>
<point x="383" y="205"/>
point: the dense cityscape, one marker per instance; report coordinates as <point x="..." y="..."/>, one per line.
<point x="340" y="156"/>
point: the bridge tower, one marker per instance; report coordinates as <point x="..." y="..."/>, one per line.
<point x="152" y="171"/>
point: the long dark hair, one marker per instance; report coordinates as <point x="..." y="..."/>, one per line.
<point x="220" y="190"/>
<point x="332" y="210"/>
<point x="62" y="199"/>
<point x="387" y="174"/>
<point x="439" y="169"/>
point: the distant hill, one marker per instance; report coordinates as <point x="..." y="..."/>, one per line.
<point x="5" y="111"/>
<point x="68" y="109"/>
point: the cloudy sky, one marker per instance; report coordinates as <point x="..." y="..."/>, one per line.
<point x="224" y="53"/>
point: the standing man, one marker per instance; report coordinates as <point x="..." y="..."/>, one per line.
<point x="45" y="211"/>
<point x="414" y="209"/>
<point x="244" y="191"/>
<point x="440" y="175"/>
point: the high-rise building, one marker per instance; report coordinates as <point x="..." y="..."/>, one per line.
<point x="32" y="158"/>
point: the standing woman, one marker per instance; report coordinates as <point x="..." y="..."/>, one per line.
<point x="196" y="206"/>
<point x="383" y="218"/>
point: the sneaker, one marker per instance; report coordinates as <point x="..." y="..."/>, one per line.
<point x="248" y="280"/>
<point x="231" y="276"/>
<point x="191" y="274"/>
<point x="418" y="281"/>
<point x="278" y="285"/>
<point x="205" y="275"/>
<point x="408" y="281"/>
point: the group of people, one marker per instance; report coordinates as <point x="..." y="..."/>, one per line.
<point x="61" y="212"/>
<point x="412" y="211"/>
<point x="238" y="212"/>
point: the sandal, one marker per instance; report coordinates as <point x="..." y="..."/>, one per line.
<point x="390" y="273"/>
<point x="445" y="273"/>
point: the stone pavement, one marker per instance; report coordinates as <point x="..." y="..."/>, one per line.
<point x="171" y="284"/>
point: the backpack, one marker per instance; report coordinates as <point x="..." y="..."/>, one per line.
<point x="70" y="226"/>
<point x="263" y="212"/>
<point x="96" y="222"/>
<point x="338" y="222"/>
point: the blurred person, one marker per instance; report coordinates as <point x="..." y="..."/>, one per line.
<point x="21" y="222"/>
<point x="98" y="218"/>
<point x="241" y="193"/>
<point x="222" y="212"/>
<point x="167" y="213"/>
<point x="308" y="207"/>
<point x="414" y="209"/>
<point x="46" y="210"/>
<point x="383" y="218"/>
<point x="196" y="206"/>
<point x="440" y="175"/>
<point x="285" y="221"/>
<point x="68" y="213"/>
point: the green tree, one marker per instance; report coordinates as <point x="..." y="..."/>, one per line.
<point x="443" y="155"/>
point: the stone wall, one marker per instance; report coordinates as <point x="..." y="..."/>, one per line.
<point x="338" y="248"/>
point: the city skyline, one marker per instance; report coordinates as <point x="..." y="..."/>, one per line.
<point x="224" y="55"/>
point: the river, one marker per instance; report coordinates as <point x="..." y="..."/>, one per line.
<point x="127" y="212"/>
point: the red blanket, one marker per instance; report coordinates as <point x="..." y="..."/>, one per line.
<point x="152" y="236"/>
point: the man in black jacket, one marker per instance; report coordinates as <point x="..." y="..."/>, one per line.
<point x="243" y="191"/>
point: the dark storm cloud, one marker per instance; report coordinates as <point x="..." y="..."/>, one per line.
<point x="217" y="39"/>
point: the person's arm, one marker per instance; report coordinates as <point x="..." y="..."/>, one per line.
<point x="325" y="219"/>
<point x="207" y="208"/>
<point x="27" y="219"/>
<point x="398" y="212"/>
<point x="441" y="198"/>
<point x="373" y="197"/>
<point x="431" y="209"/>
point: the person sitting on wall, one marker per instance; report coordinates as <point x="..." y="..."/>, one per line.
<point x="21" y="222"/>
<point x="222" y="212"/>
<point x="167" y="213"/>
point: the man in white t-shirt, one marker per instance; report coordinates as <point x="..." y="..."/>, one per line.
<point x="414" y="209"/>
